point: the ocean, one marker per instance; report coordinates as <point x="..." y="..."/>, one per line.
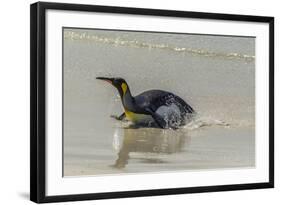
<point x="214" y="74"/>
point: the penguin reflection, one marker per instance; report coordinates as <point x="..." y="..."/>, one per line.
<point x="149" y="140"/>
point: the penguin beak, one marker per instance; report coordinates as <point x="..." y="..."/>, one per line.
<point x="110" y="80"/>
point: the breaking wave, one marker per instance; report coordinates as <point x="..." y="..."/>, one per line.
<point x="75" y="36"/>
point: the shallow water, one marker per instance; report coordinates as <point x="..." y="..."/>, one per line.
<point x="214" y="74"/>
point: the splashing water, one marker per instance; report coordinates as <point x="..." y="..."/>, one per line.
<point x="199" y="122"/>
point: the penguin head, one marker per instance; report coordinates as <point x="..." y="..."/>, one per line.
<point x="119" y="83"/>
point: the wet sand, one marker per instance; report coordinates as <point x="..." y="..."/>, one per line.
<point x="155" y="150"/>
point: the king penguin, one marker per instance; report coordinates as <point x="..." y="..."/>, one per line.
<point x="164" y="108"/>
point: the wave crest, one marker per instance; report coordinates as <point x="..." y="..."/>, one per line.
<point x="75" y="36"/>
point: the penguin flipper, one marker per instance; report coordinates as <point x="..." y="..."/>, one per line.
<point x="157" y="118"/>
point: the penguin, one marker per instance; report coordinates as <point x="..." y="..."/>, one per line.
<point x="165" y="109"/>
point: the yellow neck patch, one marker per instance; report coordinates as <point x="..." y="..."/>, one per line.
<point x="124" y="87"/>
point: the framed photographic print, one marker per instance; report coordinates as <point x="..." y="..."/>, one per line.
<point x="129" y="102"/>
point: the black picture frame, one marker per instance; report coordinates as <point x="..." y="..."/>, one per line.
<point x="38" y="100"/>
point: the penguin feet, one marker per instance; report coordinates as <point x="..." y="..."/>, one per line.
<point x="121" y="117"/>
